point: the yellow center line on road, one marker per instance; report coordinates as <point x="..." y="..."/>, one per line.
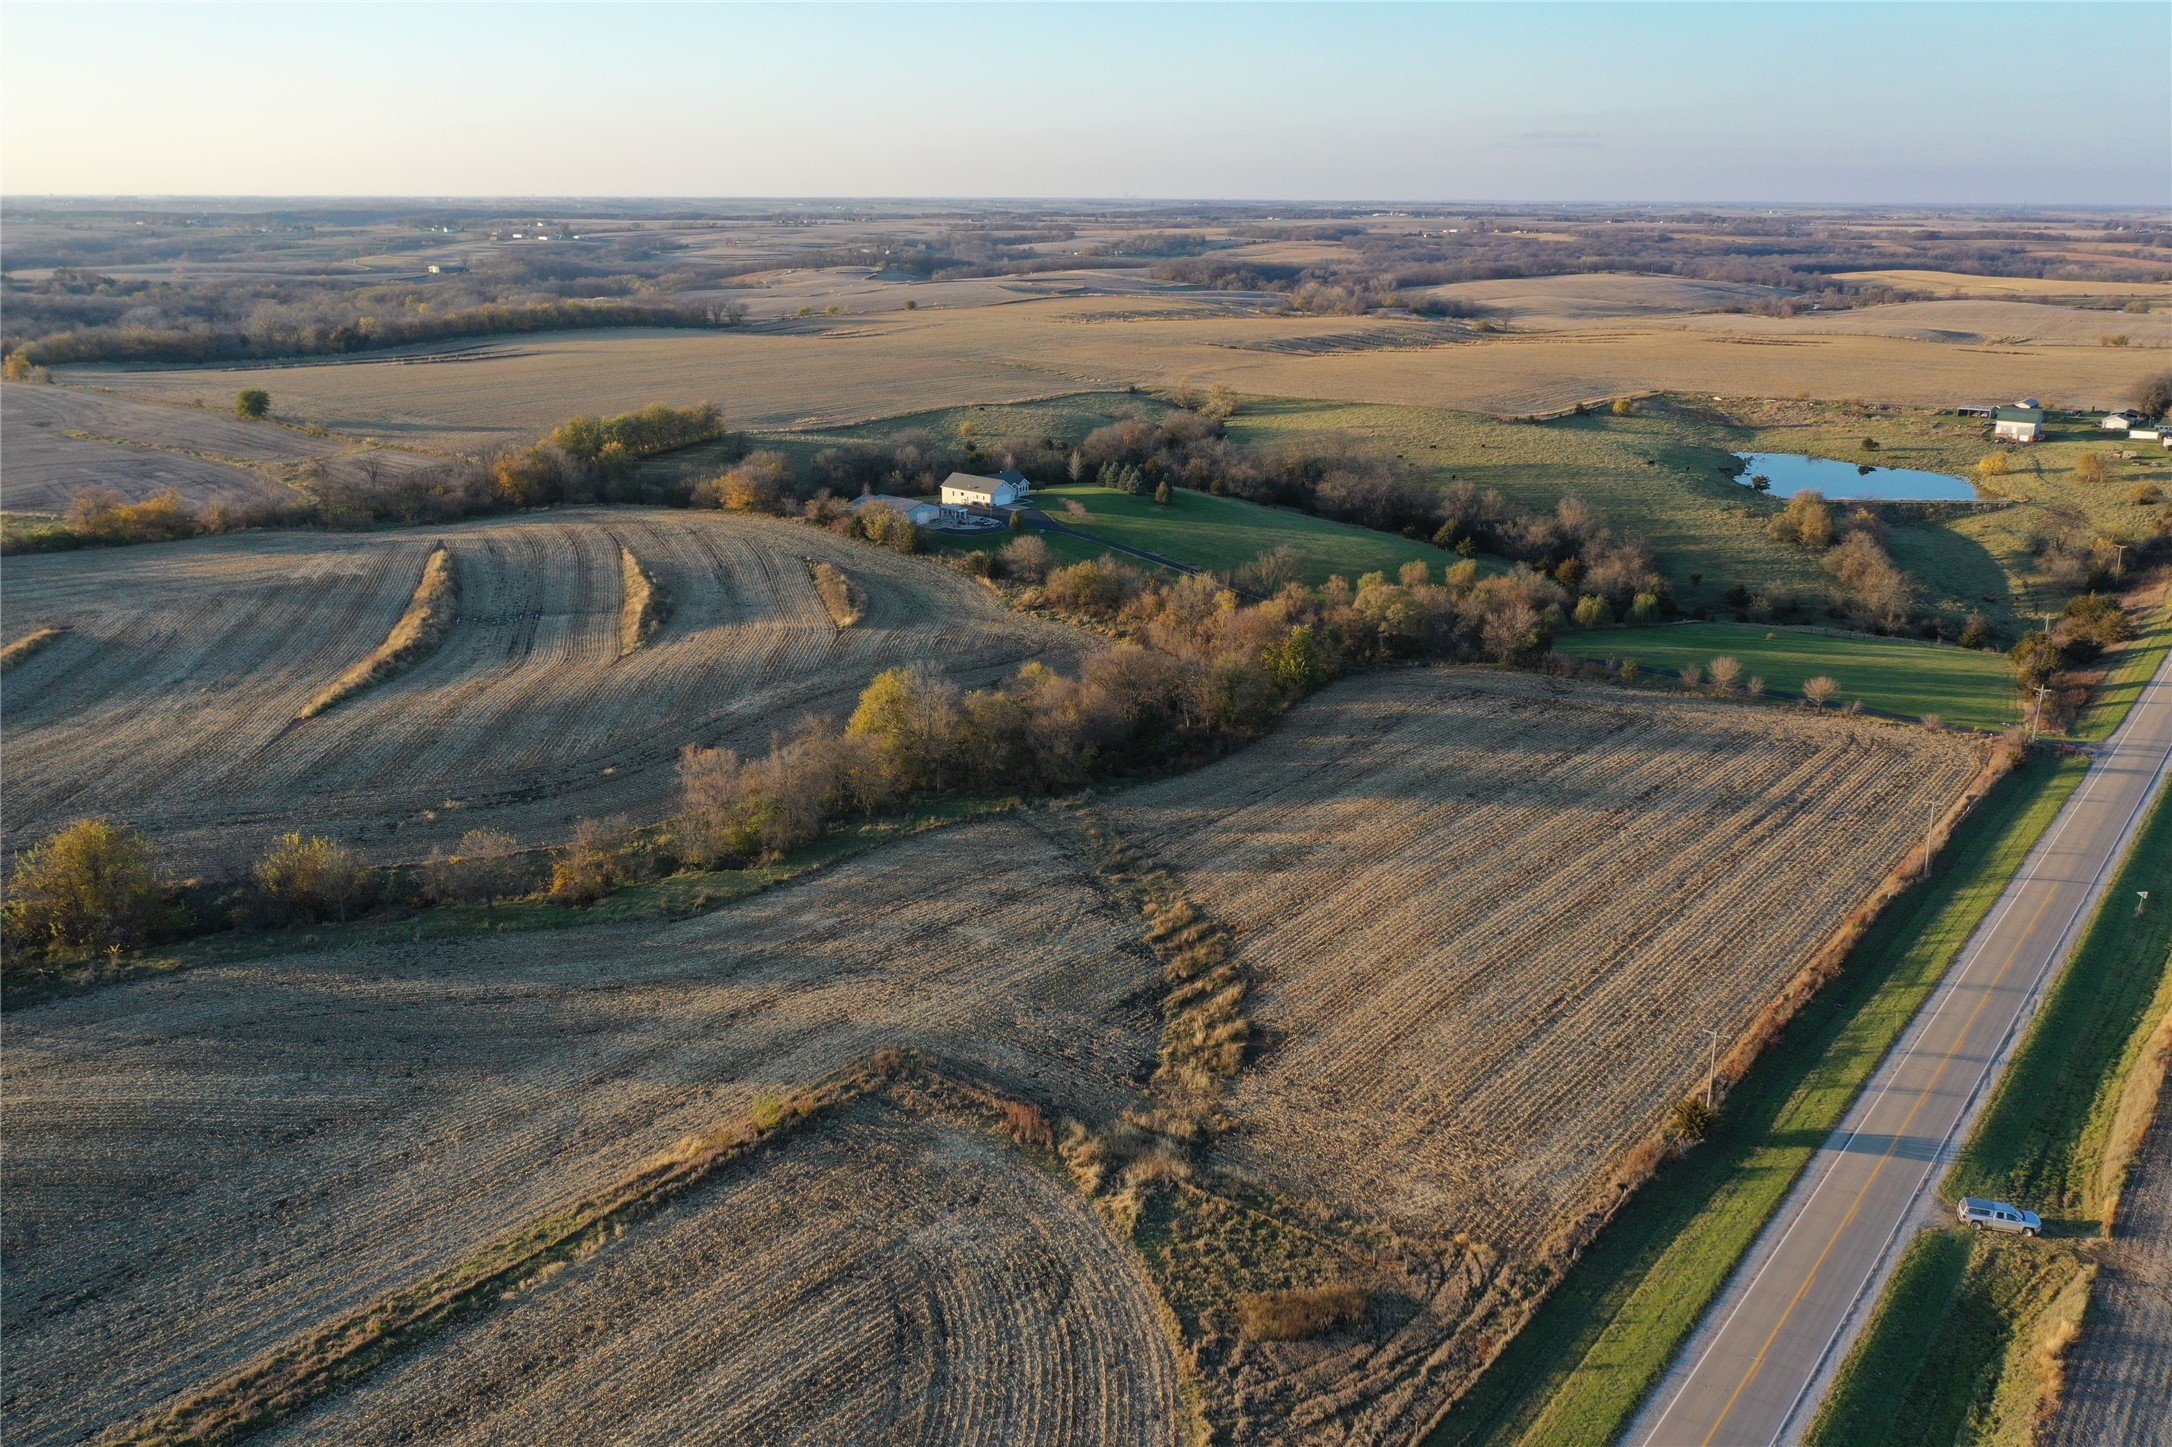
<point x="1757" y="1363"/>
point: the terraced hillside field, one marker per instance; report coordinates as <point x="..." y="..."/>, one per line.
<point x="173" y="699"/>
<point x="883" y="1279"/>
<point x="1491" y="915"/>
<point x="202" y="1166"/>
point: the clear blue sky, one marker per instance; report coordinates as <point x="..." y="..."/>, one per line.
<point x="1944" y="103"/>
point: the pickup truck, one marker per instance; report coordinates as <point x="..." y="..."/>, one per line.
<point x="1985" y="1215"/>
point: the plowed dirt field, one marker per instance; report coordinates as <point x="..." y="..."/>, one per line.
<point x="172" y="702"/>
<point x="202" y="1166"/>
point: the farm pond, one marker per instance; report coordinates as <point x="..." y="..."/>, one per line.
<point x="1790" y="474"/>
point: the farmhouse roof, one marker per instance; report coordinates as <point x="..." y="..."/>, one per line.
<point x="1013" y="476"/>
<point x="2018" y="414"/>
<point x="968" y="482"/>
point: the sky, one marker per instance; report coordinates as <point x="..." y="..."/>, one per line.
<point x="1945" y="104"/>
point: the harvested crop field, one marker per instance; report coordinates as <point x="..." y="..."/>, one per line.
<point x="203" y="1165"/>
<point x="1552" y="303"/>
<point x="1987" y="321"/>
<point x="173" y="701"/>
<point x="877" y="1279"/>
<point x="1957" y="283"/>
<point x="884" y="366"/>
<point x="136" y="448"/>
<point x="1490" y="913"/>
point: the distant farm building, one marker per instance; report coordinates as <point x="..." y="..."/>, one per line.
<point x="966" y="489"/>
<point x="2121" y="421"/>
<point x="447" y="268"/>
<point x="1970" y="409"/>
<point x="2018" y="424"/>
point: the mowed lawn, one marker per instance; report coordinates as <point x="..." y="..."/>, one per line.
<point x="1223" y="533"/>
<point x="1960" y="686"/>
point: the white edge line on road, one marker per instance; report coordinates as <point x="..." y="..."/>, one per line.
<point x="1999" y="1057"/>
<point x="1996" y="1061"/>
<point x="1949" y="986"/>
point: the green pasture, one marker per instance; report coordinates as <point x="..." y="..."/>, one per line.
<point x="1961" y="686"/>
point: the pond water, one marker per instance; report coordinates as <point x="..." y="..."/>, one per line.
<point x="1791" y="474"/>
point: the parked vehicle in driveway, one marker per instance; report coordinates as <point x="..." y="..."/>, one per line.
<point x="1985" y="1215"/>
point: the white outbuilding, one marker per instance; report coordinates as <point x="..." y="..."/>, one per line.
<point x="2018" y="424"/>
<point x="922" y="514"/>
<point x="2120" y="421"/>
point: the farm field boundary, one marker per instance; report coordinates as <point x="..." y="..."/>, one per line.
<point x="675" y="897"/>
<point x="1960" y="1335"/>
<point x="1594" y="1350"/>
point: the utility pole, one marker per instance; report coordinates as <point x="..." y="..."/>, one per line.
<point x="1930" y="828"/>
<point x="2119" y="560"/>
<point x="1711" y="1071"/>
<point x="2036" y="718"/>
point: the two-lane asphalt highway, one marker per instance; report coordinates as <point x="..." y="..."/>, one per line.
<point x="1746" y="1377"/>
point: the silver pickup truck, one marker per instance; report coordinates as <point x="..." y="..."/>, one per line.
<point x="1998" y="1216"/>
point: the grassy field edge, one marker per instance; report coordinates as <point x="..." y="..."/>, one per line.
<point x="1594" y="1351"/>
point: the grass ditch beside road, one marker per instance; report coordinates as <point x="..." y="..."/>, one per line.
<point x="1971" y="1337"/>
<point x="1598" y="1345"/>
<point x="1965" y="1345"/>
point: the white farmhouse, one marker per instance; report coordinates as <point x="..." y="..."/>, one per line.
<point x="2018" y="424"/>
<point x="966" y="489"/>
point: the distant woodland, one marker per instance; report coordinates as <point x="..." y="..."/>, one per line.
<point x="85" y="286"/>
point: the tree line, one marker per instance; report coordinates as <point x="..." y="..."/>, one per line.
<point x="272" y="335"/>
